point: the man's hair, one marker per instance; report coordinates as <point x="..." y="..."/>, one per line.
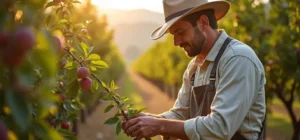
<point x="192" y="18"/>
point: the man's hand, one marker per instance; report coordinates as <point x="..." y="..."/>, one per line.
<point x="142" y="127"/>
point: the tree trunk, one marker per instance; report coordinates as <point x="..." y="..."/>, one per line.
<point x="295" y="122"/>
<point x="75" y="127"/>
<point x="82" y="116"/>
<point x="296" y="134"/>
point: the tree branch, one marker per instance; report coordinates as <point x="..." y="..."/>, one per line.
<point x="292" y="92"/>
<point x="107" y="90"/>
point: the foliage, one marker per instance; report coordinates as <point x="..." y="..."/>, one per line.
<point x="163" y="62"/>
<point x="42" y="84"/>
<point x="272" y="30"/>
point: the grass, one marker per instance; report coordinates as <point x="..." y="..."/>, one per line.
<point x="277" y="101"/>
<point x="129" y="90"/>
<point x="280" y="124"/>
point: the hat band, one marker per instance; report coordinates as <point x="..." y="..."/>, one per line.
<point x="168" y="18"/>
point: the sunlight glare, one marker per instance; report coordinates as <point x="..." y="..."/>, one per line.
<point x="152" y="5"/>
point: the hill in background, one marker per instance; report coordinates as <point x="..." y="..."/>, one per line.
<point x="132" y="29"/>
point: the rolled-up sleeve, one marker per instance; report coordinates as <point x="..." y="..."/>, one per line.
<point x="180" y="110"/>
<point x="238" y="84"/>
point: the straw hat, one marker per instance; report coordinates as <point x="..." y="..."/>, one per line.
<point x="174" y="10"/>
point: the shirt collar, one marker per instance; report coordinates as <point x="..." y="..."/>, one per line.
<point x="217" y="46"/>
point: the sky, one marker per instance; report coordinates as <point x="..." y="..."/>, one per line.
<point x="152" y="5"/>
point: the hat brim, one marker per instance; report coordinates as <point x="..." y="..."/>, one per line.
<point x="220" y="9"/>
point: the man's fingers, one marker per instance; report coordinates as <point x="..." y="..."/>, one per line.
<point x="123" y="125"/>
<point x="137" y="132"/>
<point x="131" y="122"/>
<point x="140" y="136"/>
<point x="133" y="129"/>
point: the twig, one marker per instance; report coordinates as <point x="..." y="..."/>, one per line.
<point x="107" y="90"/>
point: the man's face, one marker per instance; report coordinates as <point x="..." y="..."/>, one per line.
<point x="190" y="38"/>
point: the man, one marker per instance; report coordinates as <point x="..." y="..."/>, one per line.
<point x="222" y="95"/>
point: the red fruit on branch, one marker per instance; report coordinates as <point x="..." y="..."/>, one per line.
<point x="53" y="124"/>
<point x="3" y="39"/>
<point x="12" y="58"/>
<point x="61" y="85"/>
<point x="82" y="72"/>
<point x="24" y="39"/>
<point x="65" y="13"/>
<point x="86" y="83"/>
<point x="85" y="31"/>
<point x="65" y="125"/>
<point x="63" y="97"/>
<point x="3" y="131"/>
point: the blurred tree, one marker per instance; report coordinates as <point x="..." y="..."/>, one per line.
<point x="102" y="40"/>
<point x="272" y="30"/>
<point x="163" y="64"/>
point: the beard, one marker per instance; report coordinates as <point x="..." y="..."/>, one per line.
<point x="197" y="43"/>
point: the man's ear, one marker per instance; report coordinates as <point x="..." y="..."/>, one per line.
<point x="202" y="22"/>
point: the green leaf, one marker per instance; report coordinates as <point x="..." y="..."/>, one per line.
<point x="92" y="68"/>
<point x="58" y="10"/>
<point x="71" y="75"/>
<point x="108" y="108"/>
<point x="112" y="84"/>
<point x="111" y="121"/>
<point x="43" y="131"/>
<point x="99" y="64"/>
<point x="115" y="87"/>
<point x="83" y="49"/>
<point x="38" y="72"/>
<point x="50" y="4"/>
<point x="47" y="58"/>
<point x="19" y="108"/>
<point x="73" y="89"/>
<point x="126" y="99"/>
<point x="103" y="84"/>
<point x="107" y="97"/>
<point x="63" y="21"/>
<point x="59" y="26"/>
<point x="120" y="106"/>
<point x="91" y="50"/>
<point x="141" y="110"/>
<point x="71" y="65"/>
<point x="129" y="106"/>
<point x="76" y="1"/>
<point x="48" y="20"/>
<point x="130" y="112"/>
<point x="118" y="128"/>
<point x="94" y="57"/>
<point x="95" y="86"/>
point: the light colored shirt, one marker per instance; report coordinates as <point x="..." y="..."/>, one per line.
<point x="239" y="103"/>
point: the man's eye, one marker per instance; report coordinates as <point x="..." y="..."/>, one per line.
<point x="181" y="32"/>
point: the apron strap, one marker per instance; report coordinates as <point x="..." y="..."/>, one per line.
<point x="212" y="77"/>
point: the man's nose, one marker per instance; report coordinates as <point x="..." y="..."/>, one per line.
<point x="177" y="41"/>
